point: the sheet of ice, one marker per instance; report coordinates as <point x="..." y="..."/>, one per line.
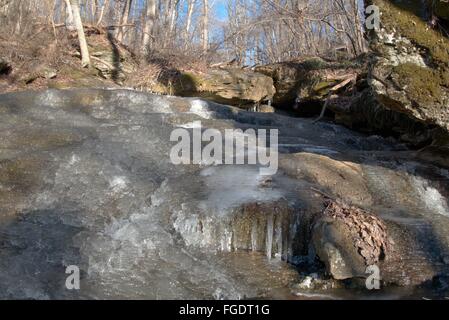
<point x="431" y="197"/>
<point x="199" y="108"/>
<point x="230" y="186"/>
<point x="320" y="150"/>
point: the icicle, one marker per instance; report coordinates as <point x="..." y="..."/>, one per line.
<point x="254" y="236"/>
<point x="226" y="241"/>
<point x="278" y="254"/>
<point x="294" y="227"/>
<point x="269" y="242"/>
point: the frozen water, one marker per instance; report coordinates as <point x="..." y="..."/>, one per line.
<point x="200" y="108"/>
<point x="231" y="186"/>
<point x="86" y="179"/>
<point x="432" y="199"/>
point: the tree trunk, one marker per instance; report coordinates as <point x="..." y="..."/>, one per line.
<point x="191" y="6"/>
<point x="205" y="36"/>
<point x="103" y="8"/>
<point x="96" y="11"/>
<point x="358" y="28"/>
<point x="173" y="17"/>
<point x="69" y="23"/>
<point x="19" y="19"/>
<point x="85" y="59"/>
<point x="124" y="20"/>
<point x="148" y="27"/>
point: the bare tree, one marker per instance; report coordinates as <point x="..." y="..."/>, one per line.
<point x="102" y="10"/>
<point x="69" y="22"/>
<point x="255" y="31"/>
<point x="190" y="8"/>
<point x="150" y="18"/>
<point x="205" y="25"/>
<point x="124" y="20"/>
<point x="85" y="58"/>
<point x="263" y="31"/>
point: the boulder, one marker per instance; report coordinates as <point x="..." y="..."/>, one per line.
<point x="111" y="59"/>
<point x="232" y="86"/>
<point x="409" y="70"/>
<point x="298" y="83"/>
<point x="348" y="240"/>
<point x="344" y="178"/>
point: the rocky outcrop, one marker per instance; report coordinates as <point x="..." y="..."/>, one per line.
<point x="232" y="86"/>
<point x="111" y="59"/>
<point x="406" y="93"/>
<point x="300" y="83"/>
<point x="400" y="89"/>
<point x="409" y="71"/>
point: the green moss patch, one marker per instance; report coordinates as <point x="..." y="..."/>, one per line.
<point x="423" y="85"/>
<point x="408" y="24"/>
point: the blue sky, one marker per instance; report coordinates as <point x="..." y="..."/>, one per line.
<point x="220" y="9"/>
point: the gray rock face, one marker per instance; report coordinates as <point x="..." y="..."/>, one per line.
<point x="235" y="86"/>
<point x="409" y="72"/>
<point x="304" y="81"/>
<point x="86" y="179"/>
<point x="232" y="86"/>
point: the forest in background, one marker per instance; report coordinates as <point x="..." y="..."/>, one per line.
<point x="248" y="32"/>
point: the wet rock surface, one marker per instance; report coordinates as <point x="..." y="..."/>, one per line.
<point x="86" y="179"/>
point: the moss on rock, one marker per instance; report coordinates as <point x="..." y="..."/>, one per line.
<point x="423" y="85"/>
<point x="406" y="22"/>
<point x="309" y="79"/>
<point x="409" y="69"/>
